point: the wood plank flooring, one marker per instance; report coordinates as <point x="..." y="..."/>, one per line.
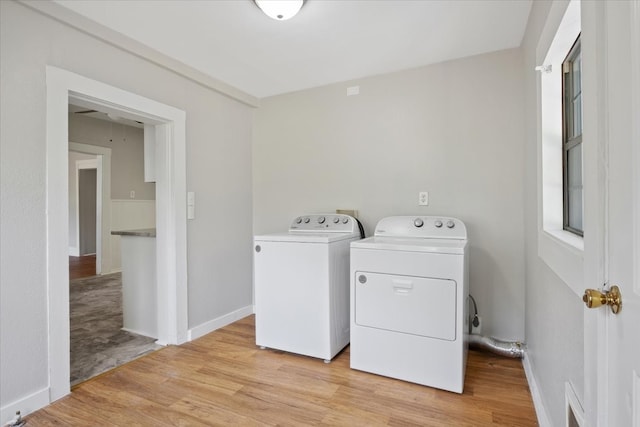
<point x="82" y="266"/>
<point x="224" y="379"/>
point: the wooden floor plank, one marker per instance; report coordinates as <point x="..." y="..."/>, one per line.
<point x="82" y="266"/>
<point x="224" y="379"/>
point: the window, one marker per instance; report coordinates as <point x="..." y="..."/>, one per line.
<point x="572" y="140"/>
<point x="561" y="248"/>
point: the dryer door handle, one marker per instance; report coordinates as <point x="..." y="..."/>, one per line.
<point x="402" y="286"/>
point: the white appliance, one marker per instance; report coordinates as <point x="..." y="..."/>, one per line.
<point x="409" y="289"/>
<point x="301" y="280"/>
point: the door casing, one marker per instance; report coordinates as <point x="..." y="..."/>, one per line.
<point x="62" y="88"/>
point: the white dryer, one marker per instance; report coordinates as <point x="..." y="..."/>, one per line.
<point x="409" y="288"/>
<point x="301" y="281"/>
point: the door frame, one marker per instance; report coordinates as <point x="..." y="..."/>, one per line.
<point x="62" y="88"/>
<point x="90" y="164"/>
<point x="103" y="249"/>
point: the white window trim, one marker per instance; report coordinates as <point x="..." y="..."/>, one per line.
<point x="561" y="250"/>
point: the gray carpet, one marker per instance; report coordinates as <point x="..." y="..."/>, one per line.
<point x="97" y="342"/>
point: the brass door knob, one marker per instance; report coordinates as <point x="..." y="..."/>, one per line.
<point x="593" y="299"/>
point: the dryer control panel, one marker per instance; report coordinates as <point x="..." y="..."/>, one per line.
<point x="324" y="223"/>
<point x="424" y="227"/>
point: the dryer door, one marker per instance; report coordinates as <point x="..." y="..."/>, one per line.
<point x="414" y="305"/>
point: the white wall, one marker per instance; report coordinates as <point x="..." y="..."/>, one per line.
<point x="219" y="171"/>
<point x="453" y="129"/>
<point x="554" y="314"/>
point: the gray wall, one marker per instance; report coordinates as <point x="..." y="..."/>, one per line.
<point x="127" y="160"/>
<point x="454" y="129"/>
<point x="218" y="164"/>
<point x="127" y="153"/>
<point x="554" y="314"/>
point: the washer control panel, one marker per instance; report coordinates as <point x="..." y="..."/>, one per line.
<point x="324" y="223"/>
<point x="432" y="227"/>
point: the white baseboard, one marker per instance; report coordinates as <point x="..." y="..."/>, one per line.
<point x="541" y="412"/>
<point x="74" y="251"/>
<point x="212" y="325"/>
<point x="25" y="405"/>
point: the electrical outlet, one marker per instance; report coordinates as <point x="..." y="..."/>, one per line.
<point x="132" y="194"/>
<point x="477" y="329"/>
<point x="423" y="198"/>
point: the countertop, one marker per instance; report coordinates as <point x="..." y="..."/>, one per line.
<point x="143" y="232"/>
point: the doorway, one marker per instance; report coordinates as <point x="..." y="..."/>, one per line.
<point x="87" y="196"/>
<point x="169" y="140"/>
<point x="84" y="222"/>
<point x="99" y="339"/>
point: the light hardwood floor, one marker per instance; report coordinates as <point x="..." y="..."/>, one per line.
<point x="224" y="379"/>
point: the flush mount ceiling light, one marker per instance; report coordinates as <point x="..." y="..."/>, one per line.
<point x="280" y="10"/>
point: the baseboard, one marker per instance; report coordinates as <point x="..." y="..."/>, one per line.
<point x="541" y="412"/>
<point x="25" y="405"/>
<point x="73" y="251"/>
<point x="212" y="325"/>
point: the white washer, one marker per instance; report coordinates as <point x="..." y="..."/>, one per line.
<point x="409" y="288"/>
<point x="301" y="280"/>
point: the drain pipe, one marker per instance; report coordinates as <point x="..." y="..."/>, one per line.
<point x="501" y="348"/>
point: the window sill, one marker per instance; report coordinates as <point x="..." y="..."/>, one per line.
<point x="563" y="252"/>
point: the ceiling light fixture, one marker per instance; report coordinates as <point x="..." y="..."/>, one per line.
<point x="280" y="10"/>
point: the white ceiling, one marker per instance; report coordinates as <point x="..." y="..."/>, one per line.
<point x="328" y="41"/>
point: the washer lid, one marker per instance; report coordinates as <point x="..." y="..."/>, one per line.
<point x="437" y="246"/>
<point x="306" y="237"/>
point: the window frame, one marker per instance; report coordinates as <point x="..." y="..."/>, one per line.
<point x="561" y="250"/>
<point x="570" y="141"/>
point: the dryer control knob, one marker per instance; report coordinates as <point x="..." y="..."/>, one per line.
<point x="438" y="223"/>
<point x="345" y="220"/>
<point x="336" y="220"/>
<point x="306" y="220"/>
<point x="321" y="220"/>
<point x="362" y="279"/>
<point x="298" y="220"/>
<point x="451" y="224"/>
<point x="418" y="222"/>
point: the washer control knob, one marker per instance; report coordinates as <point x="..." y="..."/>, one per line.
<point x="438" y="223"/>
<point x="345" y="220"/>
<point x="362" y="279"/>
<point x="321" y="220"/>
<point x="418" y="222"/>
<point x="336" y="220"/>
<point x="451" y="224"/>
<point x="258" y="248"/>
<point x="306" y="220"/>
<point x="298" y="220"/>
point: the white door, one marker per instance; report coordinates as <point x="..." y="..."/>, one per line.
<point x="612" y="342"/>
